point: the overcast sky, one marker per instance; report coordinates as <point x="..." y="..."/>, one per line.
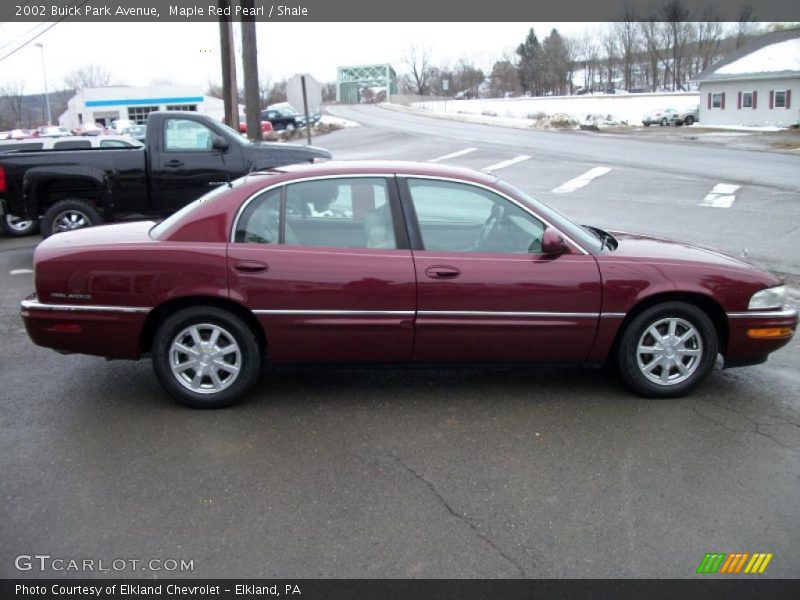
<point x="188" y="53"/>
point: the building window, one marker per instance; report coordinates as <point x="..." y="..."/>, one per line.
<point x="189" y="107"/>
<point x="747" y="100"/>
<point x="138" y="114"/>
<point x="716" y="100"/>
<point x="780" y="99"/>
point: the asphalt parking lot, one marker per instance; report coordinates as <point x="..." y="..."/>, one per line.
<point x="540" y="472"/>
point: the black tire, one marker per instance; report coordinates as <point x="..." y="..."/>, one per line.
<point x="706" y="341"/>
<point x="647" y="124"/>
<point x="664" y="122"/>
<point x="689" y="120"/>
<point x="79" y="212"/>
<point x="206" y="317"/>
<point x="16" y="227"/>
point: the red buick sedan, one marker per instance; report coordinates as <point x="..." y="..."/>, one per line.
<point x="394" y="263"/>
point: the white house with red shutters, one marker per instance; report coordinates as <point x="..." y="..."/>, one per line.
<point x="757" y="85"/>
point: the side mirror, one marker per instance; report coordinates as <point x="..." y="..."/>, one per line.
<point x="219" y="143"/>
<point x="553" y="243"/>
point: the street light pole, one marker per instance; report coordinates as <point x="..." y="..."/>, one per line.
<point x="46" y="95"/>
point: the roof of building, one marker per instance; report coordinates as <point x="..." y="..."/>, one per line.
<point x="775" y="54"/>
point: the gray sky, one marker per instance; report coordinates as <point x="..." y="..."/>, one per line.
<point x="188" y="53"/>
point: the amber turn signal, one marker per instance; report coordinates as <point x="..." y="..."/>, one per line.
<point x="762" y="333"/>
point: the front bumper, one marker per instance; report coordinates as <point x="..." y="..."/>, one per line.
<point x="743" y="349"/>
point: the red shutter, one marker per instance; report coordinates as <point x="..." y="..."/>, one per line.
<point x="739" y="100"/>
<point x="755" y="98"/>
<point x="788" y="98"/>
<point x="709" y="100"/>
<point x="771" y="99"/>
<point x="722" y="102"/>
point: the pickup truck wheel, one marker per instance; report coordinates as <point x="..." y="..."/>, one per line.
<point x="668" y="350"/>
<point x="17" y="227"/>
<point x="206" y="357"/>
<point x="69" y="214"/>
<point x="689" y="120"/>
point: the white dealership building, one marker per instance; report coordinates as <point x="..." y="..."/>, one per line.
<point x="106" y="104"/>
<point x="757" y="85"/>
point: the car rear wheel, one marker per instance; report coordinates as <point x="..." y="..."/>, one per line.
<point x="689" y="120"/>
<point x="668" y="350"/>
<point x="206" y="357"/>
<point x="69" y="214"/>
<point x="14" y="226"/>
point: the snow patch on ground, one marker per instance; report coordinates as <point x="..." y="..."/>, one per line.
<point x="331" y="120"/>
<point x="783" y="56"/>
<point x="597" y="110"/>
<point x="764" y="128"/>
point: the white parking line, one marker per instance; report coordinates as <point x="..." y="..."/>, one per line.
<point x="453" y="154"/>
<point x="20" y="271"/>
<point x="722" y="195"/>
<point x="506" y="163"/>
<point x="581" y="180"/>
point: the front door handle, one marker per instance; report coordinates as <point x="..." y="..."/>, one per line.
<point x="174" y="163"/>
<point x="442" y="272"/>
<point x="251" y="266"/>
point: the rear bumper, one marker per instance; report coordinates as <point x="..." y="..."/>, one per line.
<point x="742" y="349"/>
<point x="109" y="331"/>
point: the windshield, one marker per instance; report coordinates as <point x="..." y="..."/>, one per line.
<point x="585" y="239"/>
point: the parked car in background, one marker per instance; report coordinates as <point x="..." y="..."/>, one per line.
<point x="88" y="129"/>
<point x="52" y="131"/>
<point x="385" y="262"/>
<point x="137" y="132"/>
<point x="266" y="126"/>
<point x="185" y="155"/>
<point x="687" y="117"/>
<point x="283" y="118"/>
<point x="661" y="117"/>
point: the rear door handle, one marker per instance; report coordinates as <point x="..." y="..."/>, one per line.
<point x="251" y="266"/>
<point x="174" y="163"/>
<point x="442" y="272"/>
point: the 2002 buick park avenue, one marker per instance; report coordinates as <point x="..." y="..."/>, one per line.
<point x="394" y="263"/>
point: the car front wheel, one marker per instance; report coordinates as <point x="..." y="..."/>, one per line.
<point x="668" y="350"/>
<point x="689" y="120"/>
<point x="206" y="357"/>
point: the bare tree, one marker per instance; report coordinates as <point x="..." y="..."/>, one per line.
<point x="652" y="34"/>
<point x="329" y="91"/>
<point x="679" y="35"/>
<point x="87" y="77"/>
<point x="13" y="100"/>
<point x="504" y="79"/>
<point x="746" y="27"/>
<point x="610" y="56"/>
<point x="419" y="61"/>
<point x="627" y="34"/>
<point x="709" y="37"/>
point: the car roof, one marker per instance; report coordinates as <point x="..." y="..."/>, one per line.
<point x="382" y="167"/>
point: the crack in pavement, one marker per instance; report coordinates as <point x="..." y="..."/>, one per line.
<point x="460" y="517"/>
<point x="756" y="426"/>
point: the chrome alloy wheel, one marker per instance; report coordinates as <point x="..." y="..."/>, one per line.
<point x="669" y="351"/>
<point x="18" y="224"/>
<point x="68" y="220"/>
<point x="205" y="358"/>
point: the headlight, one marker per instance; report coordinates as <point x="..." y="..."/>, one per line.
<point x="774" y="297"/>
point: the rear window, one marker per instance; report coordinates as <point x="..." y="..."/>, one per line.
<point x="159" y="229"/>
<point x="72" y="145"/>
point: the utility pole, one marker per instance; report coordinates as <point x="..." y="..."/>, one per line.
<point x="252" y="95"/>
<point x="46" y="95"/>
<point x="230" y="92"/>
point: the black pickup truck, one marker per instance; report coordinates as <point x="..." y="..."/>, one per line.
<point x="185" y="155"/>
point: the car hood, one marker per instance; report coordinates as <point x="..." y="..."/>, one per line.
<point x="633" y="245"/>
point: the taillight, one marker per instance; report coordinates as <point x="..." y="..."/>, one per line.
<point x="3" y="187"/>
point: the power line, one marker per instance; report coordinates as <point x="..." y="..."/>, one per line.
<point x="41" y="33"/>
